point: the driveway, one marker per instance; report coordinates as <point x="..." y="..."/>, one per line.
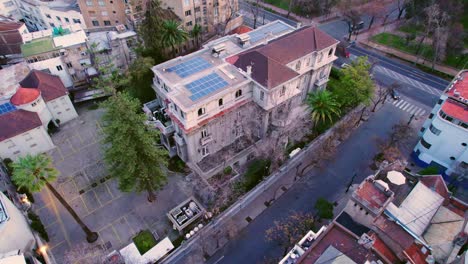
<point x="85" y="184"/>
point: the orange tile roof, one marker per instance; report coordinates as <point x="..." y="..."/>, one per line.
<point x="461" y="86"/>
<point x="24" y="96"/>
<point x="456" y="110"/>
<point x="368" y="192"/>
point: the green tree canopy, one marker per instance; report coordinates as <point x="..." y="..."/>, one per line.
<point x="195" y="33"/>
<point x="140" y="79"/>
<point x="131" y="151"/>
<point x="355" y="85"/>
<point x="151" y="26"/>
<point x="324" y="209"/>
<point x="172" y="35"/>
<point x="323" y="105"/>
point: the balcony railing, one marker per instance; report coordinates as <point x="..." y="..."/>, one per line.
<point x="205" y="140"/>
<point x="321" y="81"/>
<point x="165" y="128"/>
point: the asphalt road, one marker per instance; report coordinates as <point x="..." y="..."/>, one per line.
<point x="354" y="155"/>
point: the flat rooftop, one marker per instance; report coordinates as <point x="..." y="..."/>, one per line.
<point x="37" y="46"/>
<point x="458" y="88"/>
<point x="204" y="73"/>
<point x="371" y="195"/>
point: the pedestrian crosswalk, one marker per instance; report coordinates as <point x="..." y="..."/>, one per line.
<point x="409" y="107"/>
<point x="405" y="79"/>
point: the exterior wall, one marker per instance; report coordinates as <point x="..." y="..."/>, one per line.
<point x="40" y="108"/>
<point x="103" y="10"/>
<point x="62" y="109"/>
<point x="10" y="42"/>
<point x="359" y="213"/>
<point x="446" y="148"/>
<point x="52" y="65"/>
<point x="40" y="15"/>
<point x="8" y="8"/>
<point x="208" y="14"/>
<point x="16" y="229"/>
<point x="34" y="141"/>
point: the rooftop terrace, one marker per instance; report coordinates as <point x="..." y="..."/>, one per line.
<point x="37" y="46"/>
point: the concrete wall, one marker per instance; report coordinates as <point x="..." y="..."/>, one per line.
<point x="8" y="8"/>
<point x="15" y="232"/>
<point x="62" y="109"/>
<point x="51" y="65"/>
<point x="102" y="10"/>
<point x="359" y="213"/>
<point x="34" y="141"/>
<point x="38" y="106"/>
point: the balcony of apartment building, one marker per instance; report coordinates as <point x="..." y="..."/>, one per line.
<point x="158" y="118"/>
<point x="321" y="81"/>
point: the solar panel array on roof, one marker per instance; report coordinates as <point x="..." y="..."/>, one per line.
<point x="205" y="86"/>
<point x="264" y="31"/>
<point x="190" y="67"/>
<point x="6" y="108"/>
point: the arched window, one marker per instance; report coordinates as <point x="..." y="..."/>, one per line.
<point x="238" y="93"/>
<point x="330" y="52"/>
<point x="201" y="111"/>
<point x="298" y="65"/>
<point x="220" y="102"/>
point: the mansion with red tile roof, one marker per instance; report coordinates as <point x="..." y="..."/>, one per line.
<point x="238" y="89"/>
<point x="382" y="222"/>
<point x="444" y="135"/>
<point x="29" y="106"/>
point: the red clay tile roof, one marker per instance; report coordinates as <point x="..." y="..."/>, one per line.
<point x="381" y="248"/>
<point x="51" y="86"/>
<point x="415" y="255"/>
<point x="241" y="30"/>
<point x="24" y="96"/>
<point x="10" y="37"/>
<point x="269" y="61"/>
<point x="437" y="184"/>
<point x="393" y="231"/>
<point x="343" y="241"/>
<point x="372" y="195"/>
<point x="18" y="122"/>
<point x="456" y="109"/>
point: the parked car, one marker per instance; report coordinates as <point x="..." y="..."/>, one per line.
<point x="344" y="65"/>
<point x="395" y="94"/>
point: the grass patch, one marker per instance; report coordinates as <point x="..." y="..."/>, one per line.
<point x="257" y="170"/>
<point x="283" y="4"/>
<point x="411" y="47"/>
<point x="411" y="28"/>
<point x="431" y="170"/>
<point x="227" y="170"/>
<point x="144" y="241"/>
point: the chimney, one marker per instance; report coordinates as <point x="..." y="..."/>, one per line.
<point x="298" y="25"/>
<point x="249" y="70"/>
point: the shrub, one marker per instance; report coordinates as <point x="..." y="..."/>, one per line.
<point x="335" y="73"/>
<point x="324" y="209"/>
<point x="144" y="241"/>
<point x="227" y="170"/>
<point x="36" y="225"/>
<point x="431" y="170"/>
<point x="176" y="164"/>
<point x="379" y="157"/>
<point x="8" y="163"/>
<point x="255" y="172"/>
<point x="178" y="241"/>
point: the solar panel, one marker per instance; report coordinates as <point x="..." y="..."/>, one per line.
<point x="6" y="108"/>
<point x="262" y="32"/>
<point x="205" y="86"/>
<point x="190" y="67"/>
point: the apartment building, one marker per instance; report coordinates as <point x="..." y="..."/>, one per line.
<point x="61" y="52"/>
<point x="103" y="13"/>
<point x="41" y="15"/>
<point x="217" y="101"/>
<point x="206" y="13"/>
<point x="444" y="135"/>
<point x="31" y="103"/>
<point x="415" y="220"/>
<point x="10" y="36"/>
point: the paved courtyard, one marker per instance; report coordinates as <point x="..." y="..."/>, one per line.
<point x="86" y="185"/>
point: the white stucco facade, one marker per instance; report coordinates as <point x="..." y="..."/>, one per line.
<point x="62" y="109"/>
<point x="32" y="142"/>
<point x="56" y="67"/>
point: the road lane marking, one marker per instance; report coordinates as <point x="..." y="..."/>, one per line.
<point x="410" y="108"/>
<point x="406" y="106"/>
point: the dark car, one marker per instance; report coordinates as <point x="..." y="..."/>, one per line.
<point x="395" y="94"/>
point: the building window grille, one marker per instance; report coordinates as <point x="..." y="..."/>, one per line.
<point x="434" y="130"/>
<point x="238" y="93"/>
<point x="59" y="67"/>
<point x="188" y="13"/>
<point x="425" y="144"/>
<point x="201" y="111"/>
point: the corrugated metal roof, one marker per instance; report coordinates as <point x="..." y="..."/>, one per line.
<point x="418" y="208"/>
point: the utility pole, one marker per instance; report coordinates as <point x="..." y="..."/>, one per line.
<point x="411" y="119"/>
<point x="350" y="182"/>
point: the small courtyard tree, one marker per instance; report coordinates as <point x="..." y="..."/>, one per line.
<point x="288" y="231"/>
<point x="324" y="209"/>
<point x="35" y="172"/>
<point x="131" y="151"/>
<point x="323" y="105"/>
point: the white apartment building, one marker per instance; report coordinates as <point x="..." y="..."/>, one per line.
<point x="236" y="89"/>
<point x="63" y="53"/>
<point x="28" y="109"/>
<point x="40" y="15"/>
<point x="444" y="135"/>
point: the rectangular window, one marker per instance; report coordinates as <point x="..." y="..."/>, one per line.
<point x="69" y="65"/>
<point x="175" y="107"/>
<point x="434" y="130"/>
<point x="188" y="24"/>
<point x="27" y="137"/>
<point x="198" y="20"/>
<point x="58" y="18"/>
<point x="10" y="144"/>
<point x="431" y="116"/>
<point x="187" y="2"/>
<point x="76" y="21"/>
<point x="67" y="20"/>
<point x="52" y="24"/>
<point x="422" y="129"/>
<point x="33" y="145"/>
<point x="205" y="151"/>
<point x="262" y="95"/>
<point x="283" y="91"/>
<point x="101" y="3"/>
<point x="440" y="101"/>
<point x="107" y="23"/>
<point x="197" y="9"/>
<point x="92" y="13"/>
<point x="201" y="111"/>
<point x="425" y="144"/>
<point x="188" y="13"/>
<point x="48" y="16"/>
<point x="95" y="23"/>
<point x="59" y="67"/>
<point x="89" y="3"/>
<point x="182" y="114"/>
<point x="204" y="133"/>
<point x="104" y="13"/>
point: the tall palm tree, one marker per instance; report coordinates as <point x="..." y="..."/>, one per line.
<point x="195" y="33"/>
<point x="172" y="35"/>
<point x="323" y="106"/>
<point x="35" y="172"/>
